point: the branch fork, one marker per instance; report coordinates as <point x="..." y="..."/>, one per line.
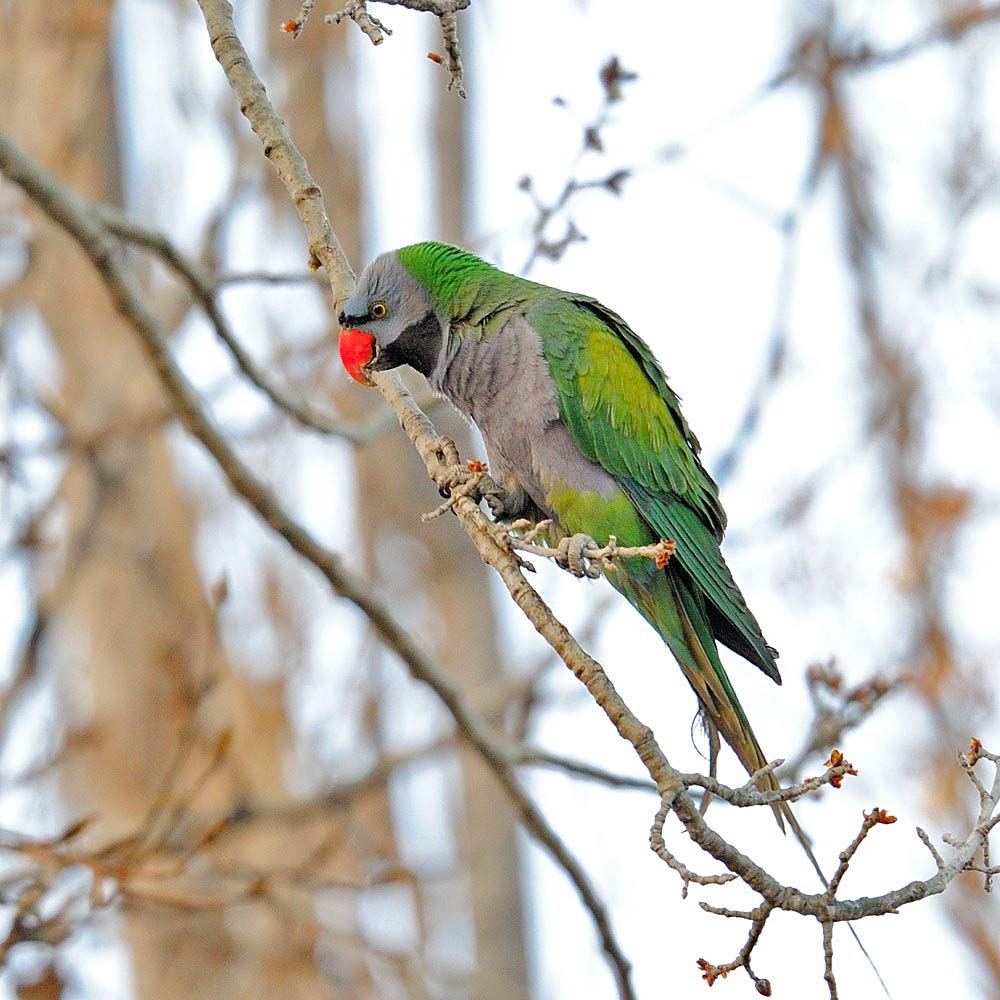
<point x="445" y="11"/>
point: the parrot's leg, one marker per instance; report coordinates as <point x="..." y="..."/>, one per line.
<point x="505" y="504"/>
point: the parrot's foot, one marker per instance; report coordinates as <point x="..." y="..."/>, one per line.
<point x="504" y="504"/>
<point x="573" y="556"/>
<point x="457" y="478"/>
<point x="455" y="474"/>
<point x="472" y="480"/>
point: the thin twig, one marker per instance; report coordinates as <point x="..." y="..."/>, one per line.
<point x="357" y="11"/>
<point x="203" y="288"/>
<point x="660" y="849"/>
<point x="758" y="917"/>
<point x="445" y="11"/>
<point x="612" y="76"/>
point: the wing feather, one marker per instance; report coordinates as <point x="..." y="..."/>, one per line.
<point x="614" y="398"/>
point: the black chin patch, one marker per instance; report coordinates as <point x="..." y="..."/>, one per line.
<point x="417" y="346"/>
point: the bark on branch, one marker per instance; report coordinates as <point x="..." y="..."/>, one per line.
<point x="445" y="11"/>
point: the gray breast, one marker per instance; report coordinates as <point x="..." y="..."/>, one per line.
<point x="502" y="383"/>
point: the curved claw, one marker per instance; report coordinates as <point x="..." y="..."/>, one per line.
<point x="446" y="450"/>
<point x="454" y="476"/>
<point x="573" y="556"/>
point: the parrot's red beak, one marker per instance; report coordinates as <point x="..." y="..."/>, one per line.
<point x="357" y="349"/>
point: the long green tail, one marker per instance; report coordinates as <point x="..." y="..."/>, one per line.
<point x="670" y="603"/>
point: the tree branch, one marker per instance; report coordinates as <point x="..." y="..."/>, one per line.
<point x="204" y="289"/>
<point x="324" y="248"/>
<point x="357" y="11"/>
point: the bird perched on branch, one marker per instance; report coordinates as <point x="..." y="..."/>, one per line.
<point x="581" y="427"/>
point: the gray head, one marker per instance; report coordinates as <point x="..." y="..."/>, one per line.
<point x="388" y="321"/>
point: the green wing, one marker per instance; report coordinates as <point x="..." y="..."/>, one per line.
<point x="614" y="398"/>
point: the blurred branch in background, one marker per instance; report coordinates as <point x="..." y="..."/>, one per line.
<point x="204" y="289"/>
<point x="613" y="78"/>
<point x="837" y="709"/>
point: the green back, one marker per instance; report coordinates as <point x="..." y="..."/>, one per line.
<point x="614" y="398"/>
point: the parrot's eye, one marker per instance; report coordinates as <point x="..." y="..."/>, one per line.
<point x="378" y="310"/>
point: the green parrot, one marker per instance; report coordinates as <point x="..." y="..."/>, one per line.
<point x="581" y="427"/>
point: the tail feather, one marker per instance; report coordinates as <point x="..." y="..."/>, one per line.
<point x="699" y="660"/>
<point x="677" y="611"/>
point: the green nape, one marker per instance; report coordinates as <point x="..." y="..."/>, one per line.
<point x="442" y="269"/>
<point x="461" y="284"/>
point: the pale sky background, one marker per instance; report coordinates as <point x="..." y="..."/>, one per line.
<point x="693" y="269"/>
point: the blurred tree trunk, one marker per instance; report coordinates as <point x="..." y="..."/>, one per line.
<point x="124" y="615"/>
<point x="461" y="592"/>
<point x="124" y="624"/>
